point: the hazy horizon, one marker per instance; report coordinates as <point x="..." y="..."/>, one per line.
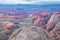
<point x="29" y="1"/>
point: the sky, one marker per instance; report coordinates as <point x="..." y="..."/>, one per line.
<point x="28" y="1"/>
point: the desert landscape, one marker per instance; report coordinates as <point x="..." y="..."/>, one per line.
<point x="19" y="25"/>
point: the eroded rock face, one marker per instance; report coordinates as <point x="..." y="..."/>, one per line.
<point x="6" y="29"/>
<point x="56" y="31"/>
<point x="41" y="18"/>
<point x="4" y="32"/>
<point x="31" y="33"/>
<point x="53" y="26"/>
<point x="52" y="22"/>
<point x="9" y="24"/>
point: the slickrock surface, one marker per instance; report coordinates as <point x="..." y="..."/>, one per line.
<point x="31" y="33"/>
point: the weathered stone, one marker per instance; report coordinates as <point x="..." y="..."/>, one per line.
<point x="31" y="33"/>
<point x="6" y="28"/>
<point x="52" y="22"/>
<point x="4" y="32"/>
<point x="56" y="31"/>
<point x="41" y="18"/>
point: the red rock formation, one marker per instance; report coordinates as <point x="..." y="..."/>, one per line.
<point x="52" y="22"/>
<point x="37" y="20"/>
<point x="6" y="29"/>
<point x="56" y="31"/>
<point x="41" y="18"/>
<point x="12" y="14"/>
<point x="9" y="24"/>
